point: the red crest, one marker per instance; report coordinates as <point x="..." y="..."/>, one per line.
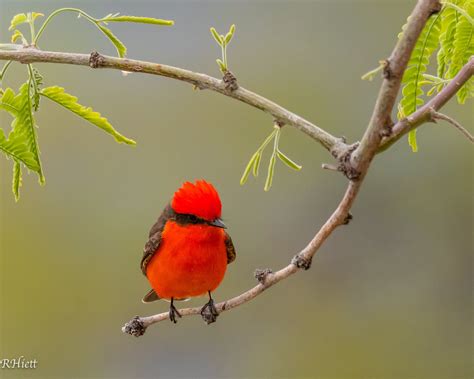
<point x="200" y="199"/>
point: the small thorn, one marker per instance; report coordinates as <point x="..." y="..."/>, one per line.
<point x="327" y="166"/>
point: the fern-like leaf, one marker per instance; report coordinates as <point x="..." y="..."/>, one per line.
<point x="22" y="142"/>
<point x="15" y="147"/>
<point x="16" y="180"/>
<point x="463" y="49"/>
<point x="59" y="96"/>
<point x="417" y="65"/>
<point x="141" y="20"/>
<point x="449" y="20"/>
<point x="119" y="46"/>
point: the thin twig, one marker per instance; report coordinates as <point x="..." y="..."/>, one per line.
<point x="441" y="116"/>
<point x="201" y="81"/>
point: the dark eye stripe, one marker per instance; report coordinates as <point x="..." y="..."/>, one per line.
<point x="186" y="219"/>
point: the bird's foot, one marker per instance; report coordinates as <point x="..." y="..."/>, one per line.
<point x="209" y="312"/>
<point x="173" y="313"/>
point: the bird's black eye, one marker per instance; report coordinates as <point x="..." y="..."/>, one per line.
<point x="193" y="219"/>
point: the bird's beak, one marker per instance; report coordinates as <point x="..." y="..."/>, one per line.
<point x="218" y="223"/>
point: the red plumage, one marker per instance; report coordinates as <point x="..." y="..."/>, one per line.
<point x="188" y="249"/>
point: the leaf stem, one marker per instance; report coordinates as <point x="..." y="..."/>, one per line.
<point x="55" y="13"/>
<point x="4" y="71"/>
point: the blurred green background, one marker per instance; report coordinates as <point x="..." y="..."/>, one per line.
<point x="389" y="296"/>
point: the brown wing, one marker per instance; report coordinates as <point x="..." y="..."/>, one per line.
<point x="230" y="249"/>
<point x="154" y="237"/>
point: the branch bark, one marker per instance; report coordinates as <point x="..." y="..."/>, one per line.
<point x="32" y="55"/>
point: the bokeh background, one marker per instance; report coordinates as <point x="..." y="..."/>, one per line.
<point x="389" y="296"/>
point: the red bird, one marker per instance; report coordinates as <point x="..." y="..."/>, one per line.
<point x="188" y="249"/>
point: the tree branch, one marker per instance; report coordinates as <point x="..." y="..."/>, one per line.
<point x="423" y="114"/>
<point x="380" y="123"/>
<point x="32" y="55"/>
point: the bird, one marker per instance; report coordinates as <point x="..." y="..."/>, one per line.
<point x="188" y="249"/>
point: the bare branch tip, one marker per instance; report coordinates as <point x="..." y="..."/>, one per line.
<point x="135" y="327"/>
<point x="434" y="115"/>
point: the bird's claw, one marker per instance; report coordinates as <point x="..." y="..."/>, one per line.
<point x="173" y="313"/>
<point x="209" y="312"/>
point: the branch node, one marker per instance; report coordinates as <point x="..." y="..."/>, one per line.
<point x="387" y="72"/>
<point x="301" y="262"/>
<point x="230" y="81"/>
<point x="261" y="274"/>
<point x="135" y="327"/>
<point x="209" y="315"/>
<point x="279" y="123"/>
<point x="436" y="8"/>
<point x="348" y="218"/>
<point x="345" y="166"/>
<point x="386" y="130"/>
<point x="95" y="60"/>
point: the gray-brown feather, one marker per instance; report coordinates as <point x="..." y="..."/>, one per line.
<point x="230" y="249"/>
<point x="154" y="237"/>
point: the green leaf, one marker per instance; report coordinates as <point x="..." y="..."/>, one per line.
<point x="15" y="147"/>
<point x="23" y="130"/>
<point x="16" y="180"/>
<point x="230" y="34"/>
<point x="286" y="160"/>
<point x="256" y="164"/>
<point x="449" y="21"/>
<point x="412" y="140"/>
<point x="372" y="73"/>
<point x="417" y="66"/>
<point x="246" y="173"/>
<point x="463" y="49"/>
<point x="121" y="49"/>
<point x="221" y="65"/>
<point x="18" y="19"/>
<point x="216" y="36"/>
<point x="271" y="169"/>
<point x="141" y="20"/>
<point x="58" y="95"/>
<point x="35" y="15"/>
<point x="36" y="83"/>
<point x="18" y="35"/>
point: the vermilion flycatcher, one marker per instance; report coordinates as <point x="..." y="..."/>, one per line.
<point x="188" y="249"/>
